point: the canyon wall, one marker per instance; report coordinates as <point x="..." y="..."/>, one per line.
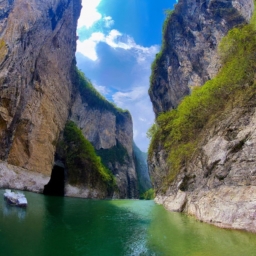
<point x="216" y="184"/>
<point x="39" y="94"/>
<point x="190" y="42"/>
<point x="111" y="133"/>
<point x="38" y="43"/>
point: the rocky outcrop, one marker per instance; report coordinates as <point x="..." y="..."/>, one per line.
<point x="189" y="52"/>
<point x="19" y="178"/>
<point x="110" y="132"/>
<point x="38" y="43"/>
<point x="39" y="93"/>
<point x="219" y="185"/>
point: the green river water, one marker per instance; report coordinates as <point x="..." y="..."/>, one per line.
<point x="52" y="226"/>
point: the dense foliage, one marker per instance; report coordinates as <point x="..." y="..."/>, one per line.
<point x="84" y="166"/>
<point x="180" y="130"/>
<point x="148" y="195"/>
<point x="115" y="154"/>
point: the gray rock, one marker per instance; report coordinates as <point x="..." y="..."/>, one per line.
<point x="38" y="93"/>
<point x="106" y="130"/>
<point x="190" y="57"/>
<point x="38" y="44"/>
<point x="218" y="186"/>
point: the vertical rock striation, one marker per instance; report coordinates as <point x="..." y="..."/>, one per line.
<point x="38" y="43"/>
<point x="39" y="94"/>
<point x="217" y="185"/>
<point x="189" y="54"/>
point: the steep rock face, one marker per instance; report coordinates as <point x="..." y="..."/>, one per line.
<point x="140" y="159"/>
<point x="39" y="93"/>
<point x="219" y="185"/>
<point x="189" y="55"/>
<point x="111" y="133"/>
<point x="38" y="42"/>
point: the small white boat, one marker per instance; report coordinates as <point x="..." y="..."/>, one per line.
<point x="15" y="198"/>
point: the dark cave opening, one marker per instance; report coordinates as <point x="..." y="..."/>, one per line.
<point x="56" y="185"/>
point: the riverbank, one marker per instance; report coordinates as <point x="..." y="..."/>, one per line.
<point x="229" y="207"/>
<point x="14" y="177"/>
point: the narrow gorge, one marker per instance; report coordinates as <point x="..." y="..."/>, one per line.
<point x="60" y="136"/>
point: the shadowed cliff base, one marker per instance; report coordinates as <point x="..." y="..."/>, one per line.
<point x="56" y="185"/>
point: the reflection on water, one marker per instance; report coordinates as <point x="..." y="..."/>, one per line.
<point x="13" y="210"/>
<point x="68" y="226"/>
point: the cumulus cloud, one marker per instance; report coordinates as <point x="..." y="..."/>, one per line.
<point x="109" y="22"/>
<point x="89" y="13"/>
<point x="136" y="94"/>
<point x="88" y="46"/>
<point x="118" y="67"/>
<point x="114" y="39"/>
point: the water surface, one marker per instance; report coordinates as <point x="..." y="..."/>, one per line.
<point x="68" y="226"/>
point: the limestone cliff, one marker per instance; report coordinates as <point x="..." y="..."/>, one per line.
<point x="189" y="51"/>
<point x="110" y="131"/>
<point x="39" y="94"/>
<point x="215" y="177"/>
<point x="219" y="185"/>
<point x="38" y="43"/>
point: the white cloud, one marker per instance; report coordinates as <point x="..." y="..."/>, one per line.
<point x="114" y="39"/>
<point x="109" y="22"/>
<point x="89" y="14"/>
<point x="101" y="89"/>
<point x="88" y="46"/>
<point x="135" y="94"/>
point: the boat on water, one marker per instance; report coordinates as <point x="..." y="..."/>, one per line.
<point x="15" y="198"/>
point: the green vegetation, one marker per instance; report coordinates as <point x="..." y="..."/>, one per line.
<point x="92" y="96"/>
<point x="115" y="154"/>
<point x="152" y="131"/>
<point x="181" y="130"/>
<point x="3" y="50"/>
<point x="84" y="166"/>
<point x="94" y="99"/>
<point x="159" y="56"/>
<point x="148" y="195"/>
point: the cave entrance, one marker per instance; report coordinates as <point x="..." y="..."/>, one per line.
<point x="56" y="185"/>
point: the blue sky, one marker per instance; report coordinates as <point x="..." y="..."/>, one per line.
<point x="118" y="40"/>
